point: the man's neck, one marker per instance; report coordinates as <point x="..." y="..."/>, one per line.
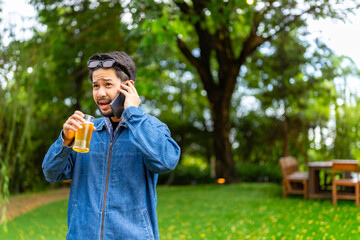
<point x="114" y="119"/>
<point x="114" y="124"/>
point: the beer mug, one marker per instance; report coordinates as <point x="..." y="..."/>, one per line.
<point x="83" y="135"/>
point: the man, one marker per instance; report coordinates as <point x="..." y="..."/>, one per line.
<point x="113" y="189"/>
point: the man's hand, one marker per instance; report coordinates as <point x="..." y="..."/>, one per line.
<point x="131" y="96"/>
<point x="71" y="126"/>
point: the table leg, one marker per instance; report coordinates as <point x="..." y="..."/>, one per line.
<point x="311" y="189"/>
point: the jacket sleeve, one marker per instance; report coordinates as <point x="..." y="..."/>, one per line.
<point x="152" y="137"/>
<point x="58" y="162"/>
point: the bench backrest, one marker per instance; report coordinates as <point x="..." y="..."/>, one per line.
<point x="288" y="165"/>
<point x="345" y="165"/>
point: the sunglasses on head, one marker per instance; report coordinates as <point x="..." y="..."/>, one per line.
<point x="107" y="63"/>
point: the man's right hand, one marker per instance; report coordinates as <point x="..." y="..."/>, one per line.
<point x="71" y="126"/>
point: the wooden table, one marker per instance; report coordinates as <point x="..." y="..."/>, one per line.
<point x="318" y="189"/>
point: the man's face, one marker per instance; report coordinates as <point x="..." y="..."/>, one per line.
<point x="105" y="88"/>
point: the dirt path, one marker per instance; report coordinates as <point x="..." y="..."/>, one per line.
<point x="23" y="203"/>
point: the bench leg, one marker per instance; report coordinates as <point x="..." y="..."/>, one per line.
<point x="284" y="192"/>
<point x="305" y="189"/>
<point x="357" y="194"/>
<point x="334" y="200"/>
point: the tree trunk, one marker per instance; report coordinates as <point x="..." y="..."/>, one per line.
<point x="285" y="140"/>
<point x="225" y="165"/>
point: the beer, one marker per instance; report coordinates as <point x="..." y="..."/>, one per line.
<point x="83" y="135"/>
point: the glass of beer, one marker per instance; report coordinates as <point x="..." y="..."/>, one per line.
<point x="83" y="135"/>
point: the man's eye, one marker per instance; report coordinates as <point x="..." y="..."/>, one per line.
<point x="95" y="86"/>
<point x="108" y="84"/>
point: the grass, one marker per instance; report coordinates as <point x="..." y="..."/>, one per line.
<point x="46" y="222"/>
<point x="240" y="211"/>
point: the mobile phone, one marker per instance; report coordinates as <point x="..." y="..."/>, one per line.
<point x="117" y="105"/>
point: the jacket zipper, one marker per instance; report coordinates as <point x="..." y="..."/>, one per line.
<point x="106" y="186"/>
<point x="105" y="193"/>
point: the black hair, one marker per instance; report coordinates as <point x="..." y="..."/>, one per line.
<point x="124" y="67"/>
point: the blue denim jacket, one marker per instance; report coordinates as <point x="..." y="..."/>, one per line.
<point x="113" y="188"/>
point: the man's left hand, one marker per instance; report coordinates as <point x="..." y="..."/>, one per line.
<point x="131" y="96"/>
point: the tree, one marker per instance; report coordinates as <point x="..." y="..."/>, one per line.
<point x="217" y="37"/>
<point x="296" y="87"/>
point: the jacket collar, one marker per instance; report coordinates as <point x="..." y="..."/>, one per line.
<point x="105" y="122"/>
<point x="99" y="124"/>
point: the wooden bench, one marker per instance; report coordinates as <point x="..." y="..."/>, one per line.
<point x="348" y="177"/>
<point x="294" y="181"/>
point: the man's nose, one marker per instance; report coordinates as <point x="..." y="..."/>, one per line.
<point x="101" y="92"/>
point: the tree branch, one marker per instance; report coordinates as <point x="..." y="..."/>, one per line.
<point x="254" y="41"/>
<point x="202" y="63"/>
<point x="187" y="53"/>
<point x="250" y="44"/>
<point x="183" y="7"/>
<point x="290" y="19"/>
<point x="203" y="69"/>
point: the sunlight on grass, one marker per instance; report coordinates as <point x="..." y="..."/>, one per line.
<point x="241" y="211"/>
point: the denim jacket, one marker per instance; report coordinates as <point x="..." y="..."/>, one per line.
<point x="113" y="188"/>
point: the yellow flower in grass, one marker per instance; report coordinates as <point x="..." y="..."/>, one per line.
<point x="273" y="219"/>
<point x="299" y="237"/>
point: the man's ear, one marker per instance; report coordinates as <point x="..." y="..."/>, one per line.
<point x="131" y="82"/>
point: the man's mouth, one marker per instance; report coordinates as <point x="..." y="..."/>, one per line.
<point x="103" y="103"/>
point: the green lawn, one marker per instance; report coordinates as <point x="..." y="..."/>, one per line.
<point x="241" y="211"/>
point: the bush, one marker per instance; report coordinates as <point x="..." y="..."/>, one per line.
<point x="193" y="174"/>
<point x="257" y="172"/>
<point x="186" y="175"/>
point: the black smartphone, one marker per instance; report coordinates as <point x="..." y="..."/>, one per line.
<point x="117" y="105"/>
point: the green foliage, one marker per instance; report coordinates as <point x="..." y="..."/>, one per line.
<point x="296" y="90"/>
<point x="259" y="172"/>
<point x="194" y="171"/>
<point x="16" y="119"/>
<point x="191" y="171"/>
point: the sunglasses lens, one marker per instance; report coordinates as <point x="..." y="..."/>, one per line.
<point x="101" y="63"/>
<point x="108" y="63"/>
<point x="93" y="64"/>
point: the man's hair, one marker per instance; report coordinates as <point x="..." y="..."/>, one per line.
<point x="124" y="67"/>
